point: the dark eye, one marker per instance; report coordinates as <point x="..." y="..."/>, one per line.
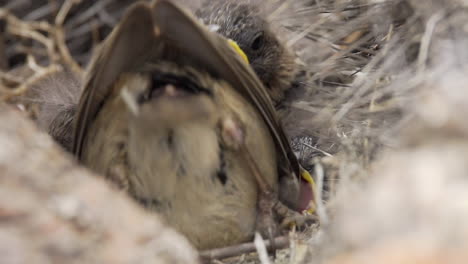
<point x="258" y="42"/>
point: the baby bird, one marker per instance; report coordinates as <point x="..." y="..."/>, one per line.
<point x="172" y="114"/>
<point x="275" y="64"/>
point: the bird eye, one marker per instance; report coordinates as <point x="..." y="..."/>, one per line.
<point x="258" y="42"/>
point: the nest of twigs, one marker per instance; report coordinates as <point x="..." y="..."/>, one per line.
<point x="386" y="94"/>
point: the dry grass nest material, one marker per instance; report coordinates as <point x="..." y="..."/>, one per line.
<point x="382" y="126"/>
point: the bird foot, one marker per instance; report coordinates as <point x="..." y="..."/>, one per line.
<point x="290" y="218"/>
<point x="270" y="209"/>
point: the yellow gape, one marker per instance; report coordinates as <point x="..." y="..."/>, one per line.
<point x="306" y="176"/>
<point x="238" y="50"/>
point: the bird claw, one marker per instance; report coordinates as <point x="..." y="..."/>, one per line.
<point x="293" y="218"/>
<point x="270" y="209"/>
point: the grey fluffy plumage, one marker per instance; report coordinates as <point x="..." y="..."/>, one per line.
<point x="246" y="23"/>
<point x="57" y="96"/>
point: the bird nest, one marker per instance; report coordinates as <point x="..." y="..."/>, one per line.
<point x="382" y="125"/>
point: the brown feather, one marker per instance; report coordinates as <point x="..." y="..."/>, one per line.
<point x="131" y="41"/>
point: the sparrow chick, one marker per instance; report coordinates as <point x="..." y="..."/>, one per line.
<point x="173" y="115"/>
<point x="275" y="64"/>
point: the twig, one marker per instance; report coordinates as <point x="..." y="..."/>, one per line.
<point x="60" y="36"/>
<point x="40" y="12"/>
<point x="29" y="30"/>
<point x="232" y="251"/>
<point x="40" y="73"/>
<point x="9" y="78"/>
<point x="426" y="39"/>
<point x="261" y="249"/>
<point x="64" y="10"/>
<point x="301" y="35"/>
<point x="321" y="212"/>
<point x="32" y="63"/>
<point x="317" y="149"/>
<point x="3" y="56"/>
<point x="88" y="14"/>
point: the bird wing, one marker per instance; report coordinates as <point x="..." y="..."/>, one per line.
<point x="125" y="47"/>
<point x="218" y="57"/>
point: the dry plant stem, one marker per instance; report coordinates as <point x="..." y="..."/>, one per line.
<point x="29" y="30"/>
<point x="32" y="25"/>
<point x="363" y="87"/>
<point x="328" y="64"/>
<point x="40" y="72"/>
<point x="59" y="34"/>
<point x="3" y="57"/>
<point x="88" y="14"/>
<point x="317" y="149"/>
<point x="232" y="251"/>
<point x="321" y="211"/>
<point x="426" y="40"/>
<point x="261" y="249"/>
<point x="64" y="52"/>
<point x="9" y="78"/>
<point x="303" y="34"/>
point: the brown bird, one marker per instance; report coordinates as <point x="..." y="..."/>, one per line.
<point x="275" y="64"/>
<point x="174" y="116"/>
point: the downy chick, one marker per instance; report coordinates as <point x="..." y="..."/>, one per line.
<point x="275" y="64"/>
<point x="173" y="115"/>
